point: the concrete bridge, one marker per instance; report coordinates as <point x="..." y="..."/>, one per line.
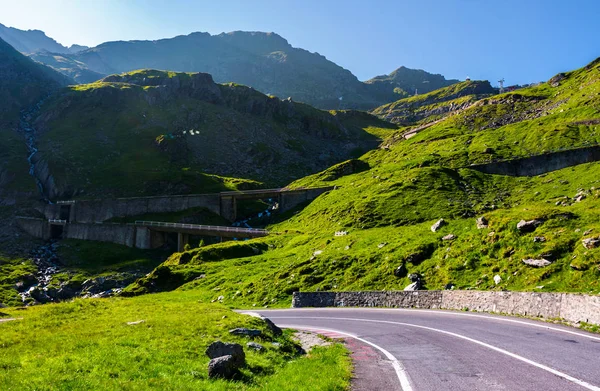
<point x="185" y="230"/>
<point x="223" y="204"/>
<point x="141" y="234"/>
<point x="87" y="219"/>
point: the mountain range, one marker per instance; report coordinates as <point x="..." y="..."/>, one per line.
<point x="264" y="61"/>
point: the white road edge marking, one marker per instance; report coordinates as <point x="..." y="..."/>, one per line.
<point x="499" y="350"/>
<point x="501" y="318"/>
<point x="400" y="371"/>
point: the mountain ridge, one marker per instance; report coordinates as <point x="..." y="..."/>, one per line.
<point x="265" y="61"/>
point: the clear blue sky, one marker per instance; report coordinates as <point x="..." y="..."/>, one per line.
<point x="520" y="40"/>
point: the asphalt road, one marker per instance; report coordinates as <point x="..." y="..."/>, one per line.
<point x="442" y="350"/>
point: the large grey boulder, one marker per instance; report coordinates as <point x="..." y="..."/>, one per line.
<point x="219" y="349"/>
<point x="528" y="226"/>
<point x="224" y="367"/>
<point x="537" y="262"/>
<point x="415" y="286"/>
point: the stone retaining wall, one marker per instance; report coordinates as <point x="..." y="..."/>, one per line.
<point x="571" y="307"/>
<point x="541" y="164"/>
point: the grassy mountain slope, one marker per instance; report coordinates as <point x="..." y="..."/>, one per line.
<point x="434" y="105"/>
<point x="387" y="211"/>
<point x="153" y="132"/>
<point x="66" y="65"/>
<point x="22" y="84"/>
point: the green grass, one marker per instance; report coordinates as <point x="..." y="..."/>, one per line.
<point x="88" y="345"/>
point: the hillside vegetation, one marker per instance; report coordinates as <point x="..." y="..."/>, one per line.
<point x="156" y="132"/>
<point x="23" y="83"/>
<point x="385" y="211"/>
<point x="434" y="105"/>
<point x="155" y="342"/>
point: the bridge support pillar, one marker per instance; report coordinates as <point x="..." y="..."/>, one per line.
<point x="228" y="207"/>
<point x="182" y="240"/>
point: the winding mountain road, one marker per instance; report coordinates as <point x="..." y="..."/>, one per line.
<point x="427" y="350"/>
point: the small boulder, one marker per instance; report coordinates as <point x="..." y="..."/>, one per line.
<point x="245" y="331"/>
<point x="539" y="239"/>
<point x="219" y="349"/>
<point x="400" y="271"/>
<point x="414" y="277"/>
<point x="438" y="224"/>
<point x="537" y="262"/>
<point x="224" y="367"/>
<point x="482" y="223"/>
<point x="449" y="237"/>
<point x="415" y="286"/>
<point x="449" y="286"/>
<point x="497" y="279"/>
<point x="528" y="226"/>
<point x="255" y="346"/>
<point x="591" y="243"/>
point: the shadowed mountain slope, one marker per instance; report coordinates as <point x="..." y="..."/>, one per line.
<point x="154" y="132"/>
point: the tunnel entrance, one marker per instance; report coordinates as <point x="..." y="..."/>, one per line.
<point x="56" y="231"/>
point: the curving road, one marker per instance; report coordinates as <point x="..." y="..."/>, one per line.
<point x="428" y="350"/>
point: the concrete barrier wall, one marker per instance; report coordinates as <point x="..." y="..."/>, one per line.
<point x="38" y="228"/>
<point x="90" y="211"/>
<point x="291" y="199"/>
<point x="571" y="307"/>
<point x="541" y="164"/>
<point x="115" y="233"/>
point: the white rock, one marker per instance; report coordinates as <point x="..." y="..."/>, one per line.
<point x="438" y="224"/>
<point x="497" y="279"/>
<point x="537" y="262"/>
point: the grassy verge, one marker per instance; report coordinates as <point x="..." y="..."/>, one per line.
<point x="89" y="345"/>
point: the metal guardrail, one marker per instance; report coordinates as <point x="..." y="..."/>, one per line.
<point x="198" y="227"/>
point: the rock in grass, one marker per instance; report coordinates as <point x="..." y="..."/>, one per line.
<point x="591" y="243"/>
<point x="482" y="223"/>
<point x="245" y="331"/>
<point x="400" y="271"/>
<point x="224" y="367"/>
<point x="537" y="262"/>
<point x="415" y="286"/>
<point x="438" y="224"/>
<point x="273" y="327"/>
<point x="255" y="346"/>
<point x="219" y="349"/>
<point x="449" y="237"/>
<point x="528" y="226"/>
<point x="497" y="279"/>
<point x="539" y="239"/>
